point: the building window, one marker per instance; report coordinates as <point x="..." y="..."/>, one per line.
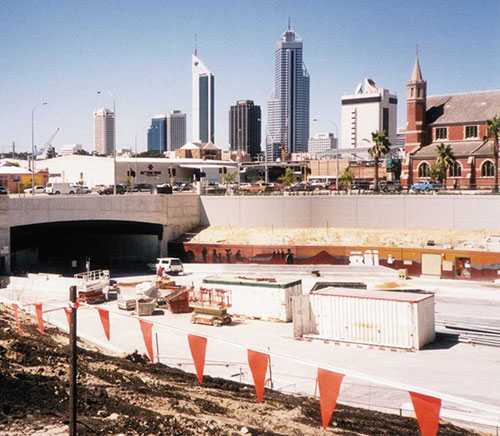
<point x="471" y="131"/>
<point x="487" y="169"/>
<point x="456" y="170"/>
<point x="440" y="133"/>
<point x="423" y="170"/>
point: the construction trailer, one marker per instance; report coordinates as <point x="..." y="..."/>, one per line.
<point x="258" y="297"/>
<point x="394" y="319"/>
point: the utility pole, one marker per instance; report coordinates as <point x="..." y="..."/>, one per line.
<point x="13" y="149"/>
<point x="72" y="362"/>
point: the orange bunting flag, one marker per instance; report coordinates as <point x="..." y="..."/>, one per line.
<point x="104" y="315"/>
<point x="16" y="316"/>
<point x="258" y="365"/>
<point x="38" y="309"/>
<point x="68" y="316"/>
<point x="198" y="347"/>
<point x="147" y="329"/>
<point x="427" y="410"/>
<point x="329" y="387"/>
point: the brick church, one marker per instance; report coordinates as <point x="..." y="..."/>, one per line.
<point x="455" y="119"/>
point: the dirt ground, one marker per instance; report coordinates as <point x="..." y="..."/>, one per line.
<point x="338" y="236"/>
<point x="129" y="396"/>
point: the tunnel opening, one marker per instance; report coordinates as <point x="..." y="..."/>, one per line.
<point x="123" y="247"/>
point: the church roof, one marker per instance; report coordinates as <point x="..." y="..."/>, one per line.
<point x="460" y="149"/>
<point x="416" y="75"/>
<point x="463" y="108"/>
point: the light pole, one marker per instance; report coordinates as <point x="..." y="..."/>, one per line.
<point x="135" y="178"/>
<point x="336" y="151"/>
<point x="33" y="147"/>
<point x="114" y="140"/>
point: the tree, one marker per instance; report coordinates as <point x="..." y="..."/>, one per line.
<point x="82" y="152"/>
<point x="288" y="178"/>
<point x="230" y="177"/>
<point x="437" y="172"/>
<point x="380" y="147"/>
<point x="347" y="177"/>
<point x="493" y="132"/>
<point x="445" y="160"/>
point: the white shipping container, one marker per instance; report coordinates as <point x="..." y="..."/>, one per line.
<point x="384" y="318"/>
<point x="256" y="297"/>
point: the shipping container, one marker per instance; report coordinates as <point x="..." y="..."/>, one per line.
<point x="258" y="297"/>
<point x="392" y="319"/>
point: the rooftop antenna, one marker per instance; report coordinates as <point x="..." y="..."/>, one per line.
<point x="195" y="44"/>
<point x="288" y="23"/>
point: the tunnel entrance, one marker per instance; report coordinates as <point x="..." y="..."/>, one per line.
<point x="64" y="247"/>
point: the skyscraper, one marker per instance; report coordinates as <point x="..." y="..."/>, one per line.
<point x="176" y="130"/>
<point x="245" y="127"/>
<point x="104" y="131"/>
<point x="157" y="134"/>
<point x="203" y="101"/>
<point x="288" y="107"/>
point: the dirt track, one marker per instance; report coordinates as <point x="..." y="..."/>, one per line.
<point x="131" y="396"/>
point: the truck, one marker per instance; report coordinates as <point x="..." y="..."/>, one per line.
<point x="426" y="186"/>
<point x="56" y="188"/>
<point x="169" y="265"/>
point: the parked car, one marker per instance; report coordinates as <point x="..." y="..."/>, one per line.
<point x="56" y="188"/>
<point x="169" y="265"/>
<point x="426" y="186"/>
<point x="164" y="189"/>
<point x="4" y="191"/>
<point x="301" y="187"/>
<point x="359" y="185"/>
<point x="120" y="189"/>
<point x="260" y="188"/>
<point x="39" y="189"/>
<point x="142" y="187"/>
<point x="388" y="186"/>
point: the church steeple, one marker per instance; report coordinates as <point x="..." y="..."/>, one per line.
<point x="416" y="94"/>
<point x="416" y="75"/>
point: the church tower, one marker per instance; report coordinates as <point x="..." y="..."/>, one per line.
<point x="416" y="94"/>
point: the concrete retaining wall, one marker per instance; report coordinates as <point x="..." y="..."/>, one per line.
<point x="474" y="212"/>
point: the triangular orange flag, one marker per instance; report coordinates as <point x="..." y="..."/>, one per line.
<point x="329" y="387"/>
<point x="258" y="365"/>
<point x="427" y="410"/>
<point x="147" y="329"/>
<point x="16" y="315"/>
<point x="68" y="316"/>
<point x="198" y="347"/>
<point x="104" y="315"/>
<point x="38" y="310"/>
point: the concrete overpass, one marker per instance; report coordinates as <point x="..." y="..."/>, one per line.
<point x="176" y="214"/>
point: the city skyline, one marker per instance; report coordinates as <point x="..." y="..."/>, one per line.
<point x="113" y="52"/>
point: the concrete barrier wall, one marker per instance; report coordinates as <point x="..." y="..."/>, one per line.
<point x="474" y="212"/>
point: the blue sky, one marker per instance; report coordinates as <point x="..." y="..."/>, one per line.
<point x="62" y="52"/>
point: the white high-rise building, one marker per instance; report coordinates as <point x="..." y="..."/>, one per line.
<point x="288" y="107"/>
<point x="321" y="142"/>
<point x="369" y="109"/>
<point x="176" y="130"/>
<point x="104" y="131"/>
<point x="203" y="102"/>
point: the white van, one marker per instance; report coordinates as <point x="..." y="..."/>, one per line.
<point x="170" y="265"/>
<point x="56" y="188"/>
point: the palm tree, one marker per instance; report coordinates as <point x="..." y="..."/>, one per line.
<point x="380" y="147"/>
<point x="493" y="132"/>
<point x="445" y="159"/>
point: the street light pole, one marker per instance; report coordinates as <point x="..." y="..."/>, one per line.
<point x="336" y="152"/>
<point x="33" y="147"/>
<point x="114" y="141"/>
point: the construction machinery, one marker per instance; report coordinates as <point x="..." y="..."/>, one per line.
<point x="94" y="286"/>
<point x="210" y="306"/>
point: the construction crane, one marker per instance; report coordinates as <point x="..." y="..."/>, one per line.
<point x="47" y="145"/>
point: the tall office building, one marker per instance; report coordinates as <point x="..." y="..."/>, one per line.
<point x="203" y="102"/>
<point x="288" y="107"/>
<point x="157" y="134"/>
<point x="369" y="109"/>
<point x="321" y="143"/>
<point x="176" y="130"/>
<point x="245" y="127"/>
<point x="104" y="131"/>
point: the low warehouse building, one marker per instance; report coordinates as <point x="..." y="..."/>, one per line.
<point x="393" y="319"/>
